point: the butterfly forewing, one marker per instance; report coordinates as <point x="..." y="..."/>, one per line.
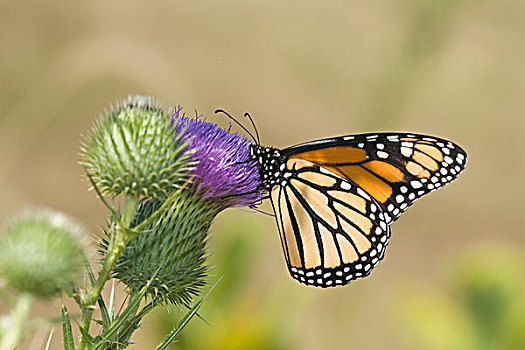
<point x="332" y="232"/>
<point x="395" y="169"/>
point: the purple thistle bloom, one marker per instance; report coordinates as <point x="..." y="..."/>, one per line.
<point x="222" y="168"/>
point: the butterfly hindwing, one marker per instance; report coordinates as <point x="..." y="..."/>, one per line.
<point x="332" y="232"/>
<point x="394" y="168"/>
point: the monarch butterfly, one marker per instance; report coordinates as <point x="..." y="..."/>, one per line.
<point x="335" y="199"/>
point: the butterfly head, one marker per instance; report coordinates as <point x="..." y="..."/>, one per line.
<point x="271" y="164"/>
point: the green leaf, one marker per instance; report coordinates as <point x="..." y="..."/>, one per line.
<point x="67" y="332"/>
<point x="88" y="268"/>
<point x="86" y="335"/>
<point x="120" y="320"/>
<point x="184" y="321"/>
<point x="106" y="321"/>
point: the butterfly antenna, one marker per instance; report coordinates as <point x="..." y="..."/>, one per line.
<point x="236" y="122"/>
<point x="254" y="127"/>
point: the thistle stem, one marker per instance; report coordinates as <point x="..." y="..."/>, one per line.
<point x="14" y="332"/>
<point x="120" y="236"/>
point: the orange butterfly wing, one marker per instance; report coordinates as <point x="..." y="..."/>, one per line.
<point x="395" y="169"/>
<point x="331" y="231"/>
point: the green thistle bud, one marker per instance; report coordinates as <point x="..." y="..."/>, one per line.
<point x="134" y="149"/>
<point x="171" y="251"/>
<point x="40" y="253"/>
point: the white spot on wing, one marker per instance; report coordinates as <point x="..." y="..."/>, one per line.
<point x="393" y="138"/>
<point x="416" y="184"/>
<point x="345" y="185"/>
<point x="406" y="151"/>
<point x="382" y="154"/>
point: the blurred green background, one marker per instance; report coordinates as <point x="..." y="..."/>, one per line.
<point x="453" y="274"/>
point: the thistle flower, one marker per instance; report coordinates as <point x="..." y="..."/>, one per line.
<point x="170" y="254"/>
<point x="40" y="253"/>
<point x="223" y="170"/>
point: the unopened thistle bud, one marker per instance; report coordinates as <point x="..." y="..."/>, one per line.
<point x="40" y="253"/>
<point x="172" y="251"/>
<point x="133" y="149"/>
